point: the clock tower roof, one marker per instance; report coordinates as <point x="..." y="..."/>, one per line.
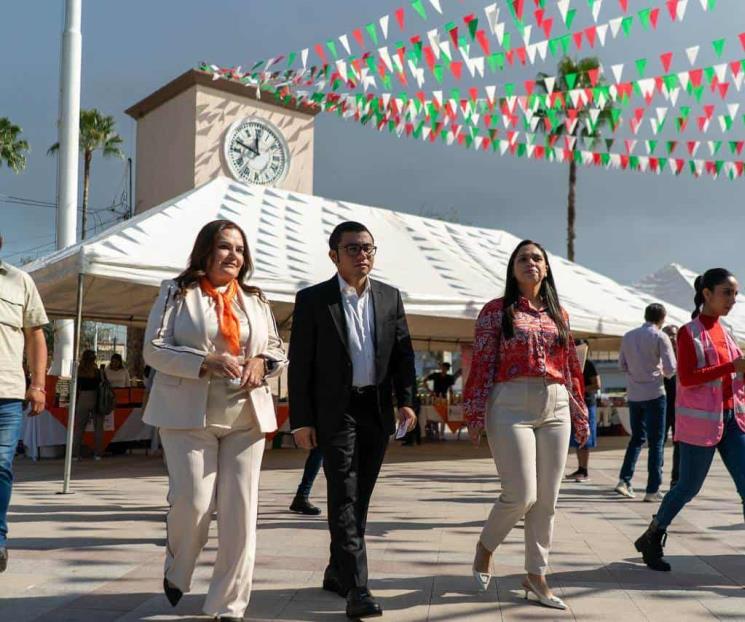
<point x="194" y="77"/>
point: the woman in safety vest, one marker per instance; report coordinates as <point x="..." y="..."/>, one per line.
<point x="709" y="406"/>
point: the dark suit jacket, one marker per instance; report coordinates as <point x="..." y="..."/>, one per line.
<point x="320" y="374"/>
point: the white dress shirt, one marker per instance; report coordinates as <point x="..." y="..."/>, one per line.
<point x="360" y="318"/>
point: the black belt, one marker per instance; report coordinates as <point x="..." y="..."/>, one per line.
<point x="370" y="388"/>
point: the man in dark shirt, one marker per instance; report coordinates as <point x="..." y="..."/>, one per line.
<point x="443" y="380"/>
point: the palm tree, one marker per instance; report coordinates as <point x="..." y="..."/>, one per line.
<point x="12" y="148"/>
<point x="573" y="74"/>
<point x="96" y="134"/>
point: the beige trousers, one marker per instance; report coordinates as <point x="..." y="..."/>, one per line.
<point x="213" y="468"/>
<point x="528" y="428"/>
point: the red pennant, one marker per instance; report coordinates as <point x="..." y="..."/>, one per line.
<point x="692" y="145"/>
<point x="594" y="75"/>
<point x="738" y="146"/>
<point x="357" y="34"/>
<point x="596" y="159"/>
<point x="457" y="68"/>
<point x="483" y="41"/>
<point x="696" y="75"/>
<point x="522" y="55"/>
<point x="653" y="17"/>
<point x="518" y="7"/>
<point x="510" y="57"/>
<point x="653" y="162"/>
<point x="739" y="166"/>
<point x="624" y="5"/>
<point x="672" y="7"/>
<point x="735" y="67"/>
<point x="679" y="164"/>
<point x="429" y="57"/>
<point x="624" y="162"/>
<point x="578" y="40"/>
<point x="590" y="34"/>
<point x="548" y="24"/>
<point x="539" y="151"/>
<point x="400" y="17"/>
<point x="539" y="13"/>
<point x="529" y="86"/>
<point x="723" y="88"/>
<point x="666" y="59"/>
<point x="709" y="110"/>
<point x="629" y="145"/>
<point x="659" y="84"/>
<point x="741" y="36"/>
<point x="473" y="93"/>
<point x="321" y="54"/>
<point x="454" y="35"/>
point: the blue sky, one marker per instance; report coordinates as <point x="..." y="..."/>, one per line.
<point x="629" y="224"/>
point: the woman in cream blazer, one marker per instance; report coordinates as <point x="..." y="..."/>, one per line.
<point x="213" y="341"/>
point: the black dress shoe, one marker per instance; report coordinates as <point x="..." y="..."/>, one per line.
<point x="173" y="594"/>
<point x="229" y="619"/>
<point x="3" y="558"/>
<point x="331" y="583"/>
<point x="361" y="604"/>
<point x="303" y="506"/>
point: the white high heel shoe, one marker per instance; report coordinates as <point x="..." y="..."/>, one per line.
<point x="554" y="602"/>
<point x="482" y="578"/>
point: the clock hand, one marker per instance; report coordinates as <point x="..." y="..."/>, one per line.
<point x="245" y="146"/>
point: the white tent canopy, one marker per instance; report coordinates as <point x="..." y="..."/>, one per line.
<point x="445" y="271"/>
<point x="674" y="283"/>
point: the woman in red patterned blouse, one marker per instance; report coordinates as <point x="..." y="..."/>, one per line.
<point x="526" y="389"/>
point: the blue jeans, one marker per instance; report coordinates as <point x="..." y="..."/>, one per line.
<point x="647" y="425"/>
<point x="11" y="424"/>
<point x="312" y="466"/>
<point x="694" y="466"/>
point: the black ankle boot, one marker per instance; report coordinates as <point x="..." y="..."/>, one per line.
<point x="301" y="505"/>
<point x="651" y="544"/>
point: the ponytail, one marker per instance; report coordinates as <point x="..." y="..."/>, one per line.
<point x="708" y="280"/>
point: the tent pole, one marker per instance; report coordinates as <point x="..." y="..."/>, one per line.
<point x="73" y="387"/>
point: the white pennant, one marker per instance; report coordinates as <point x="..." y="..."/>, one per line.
<point x="386" y="58"/>
<point x="617" y="72"/>
<point x="550" y="82"/>
<point x="596" y="10"/>
<point x="491" y="92"/>
<point x="684" y="78"/>
<point x="384" y="26"/>
<point x="341" y="67"/>
<point x="492" y="17"/>
<point x="602" y="31"/>
<point x="436" y="5"/>
<point x="692" y="54"/>
<point x="532" y="49"/>
<point x="563" y="6"/>
<point x="674" y="95"/>
<point x="304" y="57"/>
<point x="499" y="32"/>
<point x="615" y="26"/>
<point x="344" y="40"/>
<point x="526" y="33"/>
<point x="682" y="5"/>
<point x="738" y="80"/>
<point x="721" y="71"/>
<point x="543" y="49"/>
<point x="732" y="109"/>
<point x="434" y="42"/>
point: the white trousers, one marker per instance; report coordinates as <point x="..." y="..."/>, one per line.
<point x="207" y="469"/>
<point x="528" y="427"/>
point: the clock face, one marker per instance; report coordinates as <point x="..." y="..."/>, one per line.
<point x="256" y="152"/>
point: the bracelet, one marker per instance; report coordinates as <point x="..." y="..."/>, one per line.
<point x="44" y="391"/>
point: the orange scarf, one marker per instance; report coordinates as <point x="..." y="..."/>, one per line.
<point x="227" y="321"/>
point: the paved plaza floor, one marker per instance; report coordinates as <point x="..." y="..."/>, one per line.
<point x="96" y="555"/>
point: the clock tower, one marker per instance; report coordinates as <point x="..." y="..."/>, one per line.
<point x="195" y="128"/>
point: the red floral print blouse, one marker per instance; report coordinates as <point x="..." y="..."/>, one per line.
<point x="534" y="351"/>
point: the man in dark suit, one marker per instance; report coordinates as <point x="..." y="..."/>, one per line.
<point x="350" y="352"/>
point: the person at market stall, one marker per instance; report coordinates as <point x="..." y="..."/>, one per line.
<point x="592" y="386"/>
<point x="709" y="407"/>
<point x="525" y="388"/>
<point x="22" y="318"/>
<point x="116" y="373"/>
<point x="213" y="342"/>
<point x="89" y="378"/>
<point x="442" y="385"/>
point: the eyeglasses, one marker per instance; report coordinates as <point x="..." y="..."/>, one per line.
<point x="354" y="249"/>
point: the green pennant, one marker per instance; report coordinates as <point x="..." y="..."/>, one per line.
<point x="670" y="145"/>
<point x="473" y="27"/>
<point x="662" y="161"/>
<point x="733" y="146"/>
<point x="711" y="5"/>
<point x="605" y="158"/>
<point x="495" y="61"/>
<point x="698" y="93"/>
<point x="566" y="42"/>
<point x="685" y="111"/>
<point x="372" y="32"/>
<point x="416" y="52"/>
<point x="469" y="141"/>
<point x="718" y="46"/>
<point x="626" y="24"/>
<point x="552" y="46"/>
<point x="717" y="146"/>
<point x="438" y="71"/>
<point x="571" y="80"/>
<point x="521" y="150"/>
<point x="387" y="82"/>
<point x="331" y="45"/>
<point x="692" y="166"/>
<point x="577" y="157"/>
<point x="291" y="58"/>
<point x="743" y="119"/>
<point x="507" y="41"/>
<point x="418" y="6"/>
<point x="633" y="162"/>
<point x="709" y="74"/>
<point x="509" y="89"/>
<point x="641" y="65"/>
<point x="644" y="18"/>
<point x="671" y="81"/>
<point x="417" y="133"/>
<point x="728" y="121"/>
<point x="615" y="114"/>
<point x="336" y="84"/>
<point x="718" y="165"/>
<point x="571" y="14"/>
<point x="651" y="145"/>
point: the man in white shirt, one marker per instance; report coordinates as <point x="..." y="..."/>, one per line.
<point x="350" y="351"/>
